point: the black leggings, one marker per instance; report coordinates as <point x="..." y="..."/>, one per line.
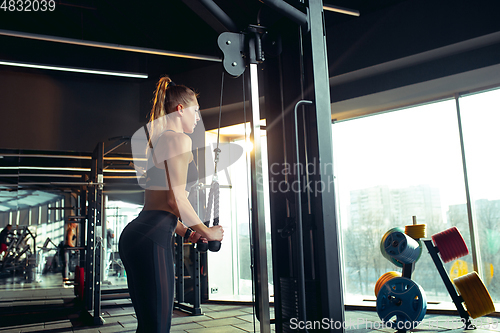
<point x="146" y="252"/>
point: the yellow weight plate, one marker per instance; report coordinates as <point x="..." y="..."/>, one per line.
<point x="459" y="268"/>
<point x="475" y="295"/>
<point x="488" y="273"/>
<point x="416" y="231"/>
<point x="484" y="296"/>
<point x="383" y="279"/>
<point x="474" y="285"/>
<point x="477" y="306"/>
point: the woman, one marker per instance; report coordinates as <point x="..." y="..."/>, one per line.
<point x="69" y="242"/>
<point x="145" y="244"/>
<point x="4" y="234"/>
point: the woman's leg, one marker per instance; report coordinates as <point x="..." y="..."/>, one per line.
<point x="150" y="277"/>
<point x="66" y="264"/>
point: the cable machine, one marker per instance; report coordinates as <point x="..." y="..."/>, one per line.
<point x="304" y="228"/>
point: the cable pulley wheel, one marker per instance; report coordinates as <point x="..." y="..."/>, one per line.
<point x="383" y="279"/>
<point x="402" y="247"/>
<point x="451" y="244"/>
<point x="475" y="295"/>
<point x="416" y="231"/>
<point x="401" y="303"/>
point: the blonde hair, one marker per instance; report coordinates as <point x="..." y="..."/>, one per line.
<point x="168" y="95"/>
<point x="166" y="98"/>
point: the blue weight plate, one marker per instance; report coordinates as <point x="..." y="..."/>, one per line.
<point x="401" y="303"/>
<point x="401" y="247"/>
<point x="382" y="248"/>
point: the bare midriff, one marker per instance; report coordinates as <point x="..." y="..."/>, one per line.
<point x="160" y="200"/>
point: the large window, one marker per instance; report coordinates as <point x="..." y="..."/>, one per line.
<point x="229" y="270"/>
<point x="390" y="167"/>
<point x="480" y="115"/>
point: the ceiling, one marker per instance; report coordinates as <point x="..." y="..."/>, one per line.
<point x="165" y="25"/>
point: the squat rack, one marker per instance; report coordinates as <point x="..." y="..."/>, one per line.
<point x="89" y="211"/>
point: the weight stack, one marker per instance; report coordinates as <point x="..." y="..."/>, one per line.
<point x="290" y="302"/>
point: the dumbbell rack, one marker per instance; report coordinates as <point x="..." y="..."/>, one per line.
<point x="457" y="299"/>
<point x="406" y="260"/>
<point x="468" y="289"/>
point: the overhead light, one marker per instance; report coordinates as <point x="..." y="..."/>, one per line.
<point x="63" y="169"/>
<point x="342" y="10"/>
<point x="108" y="46"/>
<point x="74" y="69"/>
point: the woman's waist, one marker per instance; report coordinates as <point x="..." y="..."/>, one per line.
<point x="159" y="220"/>
<point x="161" y="201"/>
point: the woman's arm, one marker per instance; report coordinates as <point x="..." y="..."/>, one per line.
<point x="69" y="237"/>
<point x="176" y="154"/>
<point x="182" y="230"/>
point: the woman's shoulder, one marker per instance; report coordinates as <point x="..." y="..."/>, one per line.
<point x="173" y="144"/>
<point x="175" y="138"/>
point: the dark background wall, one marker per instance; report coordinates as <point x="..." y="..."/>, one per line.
<point x="64" y="112"/>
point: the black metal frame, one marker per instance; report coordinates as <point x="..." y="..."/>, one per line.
<point x="179" y="268"/>
<point x="94" y="236"/>
<point x="320" y="257"/>
<point x="83" y="219"/>
<point x="195" y="308"/>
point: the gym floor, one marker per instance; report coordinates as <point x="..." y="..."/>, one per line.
<point x="55" y="310"/>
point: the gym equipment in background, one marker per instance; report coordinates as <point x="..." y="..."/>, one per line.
<point x="470" y="289"/>
<point x="401" y="302"/>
